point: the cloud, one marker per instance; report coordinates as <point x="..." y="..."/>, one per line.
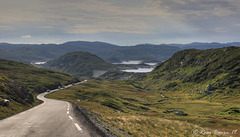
<point x="99" y="30"/>
<point x="137" y="20"/>
<point x="26" y="36"/>
<point x="199" y="8"/>
<point x="5" y="28"/>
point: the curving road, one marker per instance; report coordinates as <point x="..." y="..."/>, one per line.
<point x="52" y="118"/>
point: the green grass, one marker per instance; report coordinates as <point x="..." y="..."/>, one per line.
<point x="141" y="113"/>
<point x="31" y="76"/>
<point x="192" y="70"/>
<point x="14" y="108"/>
<point x="15" y="76"/>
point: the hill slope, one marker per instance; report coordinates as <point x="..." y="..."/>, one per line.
<point x="33" y="77"/>
<point x="12" y="90"/>
<point x="214" y="71"/>
<point x="78" y="64"/>
<point x="19" y="83"/>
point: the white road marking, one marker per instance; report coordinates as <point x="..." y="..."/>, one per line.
<point x="78" y="127"/>
<point x="70" y="117"/>
<point x="67" y="109"/>
<point x="67" y="112"/>
<point x="68" y="104"/>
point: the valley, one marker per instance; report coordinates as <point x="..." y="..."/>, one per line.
<point x="192" y="93"/>
<point x="119" y="68"/>
<point x="85" y="64"/>
<point x="199" y="87"/>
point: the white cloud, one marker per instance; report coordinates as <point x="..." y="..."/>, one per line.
<point x="26" y="36"/>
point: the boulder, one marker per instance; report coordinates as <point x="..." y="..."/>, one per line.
<point x="180" y="113"/>
<point x="210" y="87"/>
<point x="5" y="102"/>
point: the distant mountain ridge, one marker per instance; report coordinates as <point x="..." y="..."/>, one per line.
<point x="79" y="64"/>
<point x="213" y="45"/>
<point x="110" y="52"/>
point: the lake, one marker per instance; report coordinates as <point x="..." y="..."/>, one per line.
<point x="151" y="64"/>
<point x="139" y="70"/>
<point x="39" y="63"/>
<point x="135" y="62"/>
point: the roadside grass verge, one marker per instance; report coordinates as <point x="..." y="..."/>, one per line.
<point x="15" y="108"/>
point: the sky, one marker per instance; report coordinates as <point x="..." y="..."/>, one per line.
<point x="121" y="22"/>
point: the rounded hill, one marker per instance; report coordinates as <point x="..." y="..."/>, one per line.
<point x="79" y="63"/>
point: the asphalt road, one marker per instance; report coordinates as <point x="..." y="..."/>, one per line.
<point x="52" y="118"/>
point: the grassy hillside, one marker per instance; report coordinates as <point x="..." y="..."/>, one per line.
<point x="20" y="83"/>
<point x="195" y="70"/>
<point x="14" y="97"/>
<point x="79" y="64"/>
<point x="33" y="77"/>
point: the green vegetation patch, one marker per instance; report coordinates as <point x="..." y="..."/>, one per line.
<point x="137" y="111"/>
<point x="20" y="84"/>
<point x="33" y="77"/>
<point x="230" y="111"/>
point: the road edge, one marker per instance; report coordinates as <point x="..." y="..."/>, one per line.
<point x="91" y="122"/>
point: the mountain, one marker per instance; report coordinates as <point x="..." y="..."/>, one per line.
<point x="109" y="52"/>
<point x="79" y="64"/>
<point x="213" y="71"/>
<point x="20" y="83"/>
<point x="5" y="54"/>
<point x="146" y="52"/>
<point x="213" y="45"/>
<point x="35" y="79"/>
